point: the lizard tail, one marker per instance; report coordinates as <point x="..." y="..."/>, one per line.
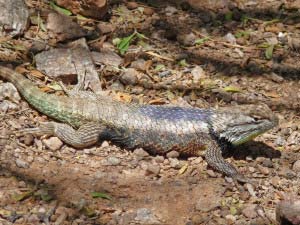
<point x="24" y="86"/>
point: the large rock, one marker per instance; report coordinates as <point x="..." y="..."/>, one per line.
<point x="288" y="212"/>
<point x="13" y="17"/>
<point x="90" y="8"/>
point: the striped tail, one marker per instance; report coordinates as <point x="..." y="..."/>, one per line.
<point x="48" y="104"/>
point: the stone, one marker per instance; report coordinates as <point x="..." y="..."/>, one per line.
<point x="172" y="154"/>
<point x="140" y="152"/>
<point x="13" y="17"/>
<point x="113" y="161"/>
<point x="174" y="163"/>
<point x="153" y="169"/>
<point x="250" y="211"/>
<point x="296" y="166"/>
<point x="22" y="164"/>
<point x="89" y="8"/>
<point x="107" y="57"/>
<point x="145" y="216"/>
<point x="288" y="212"/>
<point x="129" y="77"/>
<point x="53" y="143"/>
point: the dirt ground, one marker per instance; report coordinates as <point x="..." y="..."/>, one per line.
<point x="231" y="56"/>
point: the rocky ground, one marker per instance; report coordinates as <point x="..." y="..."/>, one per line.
<point x="236" y="53"/>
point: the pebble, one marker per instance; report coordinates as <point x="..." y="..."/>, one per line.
<point x="171" y="10"/>
<point x="230" y="219"/>
<point x="211" y="173"/>
<point x="129" y="77"/>
<point x="172" y="154"/>
<point x="28" y="139"/>
<point x="250" y="189"/>
<point x="280" y="141"/>
<point x="153" y="169"/>
<point x="33" y="219"/>
<point x="296" y="166"/>
<point x="159" y="159"/>
<point x="263" y="170"/>
<point x="113" y="161"/>
<point x="249" y="211"/>
<point x="140" y="152"/>
<point x="145" y="216"/>
<point x="22" y="164"/>
<point x="104" y="144"/>
<point x="267" y="163"/>
<point x="198" y="73"/>
<point x="174" y="163"/>
<point x="53" y="143"/>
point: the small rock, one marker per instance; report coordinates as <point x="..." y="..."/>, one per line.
<point x="211" y="173"/>
<point x="296" y="166"/>
<point x="53" y="143"/>
<point x="96" y="9"/>
<point x="276" y="78"/>
<point x="132" y="5"/>
<point x="230" y="38"/>
<point x="250" y="211"/>
<point x="275" y="181"/>
<point x="267" y="163"/>
<point x="104" y="144"/>
<point x="117" y="85"/>
<point x="33" y="219"/>
<point x="263" y="170"/>
<point x="129" y="77"/>
<point x="198" y="219"/>
<point x="159" y="159"/>
<point x="280" y="141"/>
<point x="28" y="139"/>
<point x="113" y="161"/>
<point x="230" y="219"/>
<point x="205" y="206"/>
<point x="172" y="154"/>
<point x="145" y="216"/>
<point x="140" y="152"/>
<point x="107" y="57"/>
<point x="250" y="189"/>
<point x="148" y="11"/>
<point x="22" y="164"/>
<point x="170" y="10"/>
<point x="153" y="169"/>
<point x="174" y="163"/>
<point x="106" y="27"/>
<point x="198" y="73"/>
<point x="288" y="212"/>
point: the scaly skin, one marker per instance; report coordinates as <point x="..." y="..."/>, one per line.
<point x="158" y="129"/>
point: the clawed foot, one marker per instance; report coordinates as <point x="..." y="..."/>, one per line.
<point x="45" y="128"/>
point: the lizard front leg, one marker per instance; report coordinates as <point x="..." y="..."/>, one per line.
<point x="215" y="159"/>
<point x="87" y="135"/>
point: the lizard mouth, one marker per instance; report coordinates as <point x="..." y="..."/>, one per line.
<point x="240" y="134"/>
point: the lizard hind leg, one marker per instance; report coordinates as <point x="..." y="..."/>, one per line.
<point x="87" y="134"/>
<point x="215" y="159"/>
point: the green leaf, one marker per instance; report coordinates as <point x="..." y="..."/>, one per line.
<point x="159" y="67"/>
<point x="55" y="87"/>
<point x="232" y="89"/>
<point x="100" y="195"/>
<point x="22" y="196"/>
<point x="201" y="41"/>
<point x="60" y="9"/>
<point x="124" y="43"/>
<point x="269" y="52"/>
<point x="228" y="16"/>
<point x="182" y="62"/>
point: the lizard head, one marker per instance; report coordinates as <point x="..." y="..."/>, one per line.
<point x="239" y="124"/>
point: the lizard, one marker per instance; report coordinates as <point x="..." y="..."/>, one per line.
<point x="84" y="120"/>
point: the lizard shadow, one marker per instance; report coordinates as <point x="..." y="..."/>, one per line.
<point x="253" y="149"/>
